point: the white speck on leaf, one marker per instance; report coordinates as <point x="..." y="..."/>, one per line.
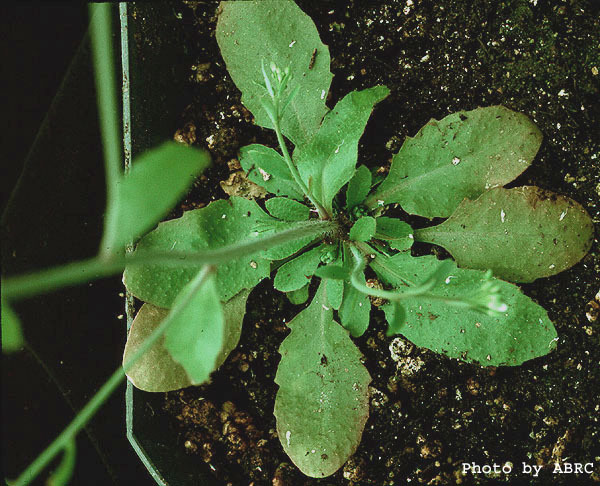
<point x="562" y="215"/>
<point x="265" y="175"/>
<point x="224" y="216"/>
<point x="292" y="43"/>
<point x="325" y="307"/>
<point x="552" y="266"/>
<point x="323" y="94"/>
<point x="253" y="264"/>
<point x="455" y="161"/>
<point x="502" y="215"/>
<point x="449" y="278"/>
<point x="288" y="434"/>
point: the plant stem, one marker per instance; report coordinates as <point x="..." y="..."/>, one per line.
<point x="295" y="174"/>
<point x="88" y="411"/>
<point x="27" y="285"/>
<point x="108" y="114"/>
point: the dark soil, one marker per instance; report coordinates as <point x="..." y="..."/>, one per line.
<point x="429" y="414"/>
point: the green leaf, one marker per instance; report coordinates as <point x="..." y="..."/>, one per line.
<point x="358" y="187"/>
<point x="328" y="162"/>
<point x="223" y="222"/>
<point x="156" y="370"/>
<point x="63" y="473"/>
<point x="265" y="167"/>
<point x="521" y="234"/>
<point x="157" y="180"/>
<point x="363" y="229"/>
<point x="355" y="310"/>
<point x="287" y="209"/>
<point x="296" y="273"/>
<point x="322" y="403"/>
<point x="521" y="333"/>
<point x="398" y="234"/>
<point x="334" y="272"/>
<point x="298" y="297"/>
<point x="396" y="317"/>
<point x="12" y="337"/>
<point x="250" y="33"/>
<point x="196" y="337"/>
<point x="334" y="292"/>
<point x="458" y="157"/>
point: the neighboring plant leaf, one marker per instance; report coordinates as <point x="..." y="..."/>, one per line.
<point x="12" y="337"/>
<point x="156" y="370"/>
<point x="328" y="162"/>
<point x="521" y="333"/>
<point x="64" y="471"/>
<point x="521" y="234"/>
<point x="296" y="273"/>
<point x="398" y="234"/>
<point x="458" y="157"/>
<point x="358" y="187"/>
<point x="265" y="167"/>
<point x="253" y="32"/>
<point x="287" y="209"/>
<point x="223" y="222"/>
<point x="322" y="403"/>
<point x="157" y="180"/>
<point x="299" y="296"/>
<point x="364" y="229"/>
<point x="196" y="337"/>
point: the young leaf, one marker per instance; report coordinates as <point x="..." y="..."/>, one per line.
<point x="334" y="291"/>
<point x="265" y="167"/>
<point x="158" y="179"/>
<point x="358" y="187"/>
<point x="334" y="272"/>
<point x="196" y="337"/>
<point x="298" y="297"/>
<point x="156" y="370"/>
<point x="245" y="29"/>
<point x="363" y="229"/>
<point x="12" y="337"/>
<point x="398" y="234"/>
<point x="322" y="403"/>
<point x="521" y="333"/>
<point x="287" y="209"/>
<point x="296" y="273"/>
<point x="521" y="234"/>
<point x="355" y="311"/>
<point x="223" y="222"/>
<point x="458" y="157"/>
<point x="328" y="162"/>
<point x="396" y="317"/>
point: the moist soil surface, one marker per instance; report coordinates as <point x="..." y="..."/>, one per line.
<point x="429" y="414"/>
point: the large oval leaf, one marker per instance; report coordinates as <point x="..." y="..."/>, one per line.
<point x="322" y="403"/>
<point x="521" y="234"/>
<point x="250" y="33"/>
<point x="521" y="333"/>
<point x="460" y="156"/>
<point x="156" y="370"/>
